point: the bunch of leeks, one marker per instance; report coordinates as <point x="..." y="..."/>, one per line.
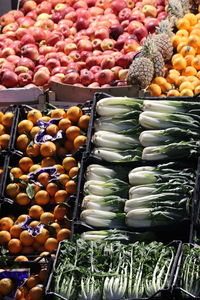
<point x="102" y="270"/>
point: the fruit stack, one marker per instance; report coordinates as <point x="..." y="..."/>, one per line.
<point x="39" y="180"/>
<point x="84" y="43"/>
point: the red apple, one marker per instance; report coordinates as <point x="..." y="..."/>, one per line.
<point x="54" y="38"/>
<point x="52" y="63"/>
<point x="60" y="6"/>
<point x="13" y="59"/>
<point x="45" y="24"/>
<point x="94" y="85"/>
<point x="59" y="70"/>
<point x="71" y="16"/>
<point x="104" y="76"/>
<point x="115" y="31"/>
<point x="141" y="33"/>
<point x="24" y="79"/>
<point x="123" y="74"/>
<point x="16" y="14"/>
<point x="43" y="50"/>
<point x="75" y="55"/>
<point x="117" y="6"/>
<point x="82" y="23"/>
<point x="30" y="52"/>
<point x="69" y="47"/>
<point x="71" y="78"/>
<point x="10" y="27"/>
<point x="41" y="77"/>
<point x="72" y="66"/>
<point x="162" y="16"/>
<point x="25" y="22"/>
<point x="26" y="62"/>
<point x="123" y="61"/>
<point x="27" y="39"/>
<point x="64" y="29"/>
<point x="44" y="7"/>
<point x="133" y="25"/>
<point x="107" y="44"/>
<point x="2" y="88"/>
<point x="29" y="5"/>
<point x="7" y="51"/>
<point x="86" y="77"/>
<point x="80" y="4"/>
<point x="84" y="55"/>
<point x="60" y="45"/>
<point x="125" y="14"/>
<point x="96" y="44"/>
<point x="137" y="15"/>
<point x="91" y="3"/>
<point x="96" y="11"/>
<point x="52" y="55"/>
<point x="7" y="65"/>
<point x="6" y="19"/>
<point x="9" y="79"/>
<point x="21" y="69"/>
<point x="92" y="61"/>
<point x="65" y="60"/>
<point x="116" y="70"/>
<point x="84" y="45"/>
<point x="149" y="10"/>
<point x="149" y="2"/>
<point x="106" y="86"/>
<point x="95" y="69"/>
<point x="102" y="33"/>
<point x="55" y="78"/>
<point x="32" y="15"/>
<point x="16" y="45"/>
<point x="151" y="25"/>
<point x="108" y="62"/>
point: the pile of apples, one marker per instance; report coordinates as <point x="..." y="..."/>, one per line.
<point x="80" y="42"/>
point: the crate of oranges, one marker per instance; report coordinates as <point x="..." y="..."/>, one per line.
<point x="23" y="277"/>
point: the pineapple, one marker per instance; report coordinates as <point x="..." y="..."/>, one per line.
<point x="162" y="40"/>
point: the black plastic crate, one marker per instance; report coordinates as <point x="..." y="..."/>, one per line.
<point x="178" y="292"/>
<point x="100" y="96"/>
<point x="180" y="231"/>
<point x="164" y="294"/>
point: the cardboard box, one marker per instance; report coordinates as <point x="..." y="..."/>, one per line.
<point x="60" y="93"/>
<point x="33" y="96"/>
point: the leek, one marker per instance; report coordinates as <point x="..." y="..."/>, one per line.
<point x="113" y="140"/>
<point x="117" y="105"/>
<point x="107" y="203"/>
<point x="112" y="187"/>
<point x="116" y="155"/>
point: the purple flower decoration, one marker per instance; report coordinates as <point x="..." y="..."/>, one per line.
<point x="33" y="231"/>
<point x="42" y="137"/>
<point x="52" y="171"/>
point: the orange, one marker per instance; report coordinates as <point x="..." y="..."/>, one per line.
<point x="182" y="33"/>
<point x="6" y="223"/>
<point x="72" y="132"/>
<point x="71" y="187"/>
<point x="25" y="178"/>
<point x="73" y="172"/>
<point x="183" y="23"/>
<point x="42" y="274"/>
<point x="46" y="218"/>
<point x="179" y="63"/>
<point x="60" y="169"/>
<point x="32" y="281"/>
<point x="79" y="141"/>
<point x="60" y="196"/>
<point x="16" y="172"/>
<point x="63" y="234"/>
<point x="43" y="178"/>
<point x="51" y="244"/>
<point x="21" y="258"/>
<point x="18" y="295"/>
<point x="74" y="113"/>
<point x="69" y="146"/>
<point x="34" y="131"/>
<point x="1" y="116"/>
<point x="186" y="92"/>
<point x="48" y="149"/>
<point x="63" y="178"/>
<point x="34" y="115"/>
<point x="181" y="79"/>
<point x="34" y="224"/>
<point x="64" y="124"/>
<point x="5" y="237"/>
<point x="25" y="126"/>
<point x="35" y="293"/>
<point x="22" y="142"/>
<point x="172" y="78"/>
<point x="52" y="129"/>
<point x="22" y="199"/>
<point x="36" y="187"/>
<point x="186" y="85"/>
<point x="60" y="212"/>
<point x="25" y="163"/>
<point x="181" y="45"/>
<point x="189" y="71"/>
<point x="196" y="62"/>
<point x="194" y="41"/>
<point x="34" y="168"/>
<point x="36" y="245"/>
<point x="187" y="50"/>
<point x="12" y="190"/>
<point x="25" y="238"/>
<point x="48" y="162"/>
<point x="22" y="218"/>
<point x="56" y="226"/>
<point x="52" y="188"/>
<point x="69" y="162"/>
<point x="189" y="59"/>
<point x="15" y="231"/>
<point x="195" y="31"/>
<point x="173" y="93"/>
<point x="83" y="122"/>
<point x="42" y="197"/>
<point x="33" y="150"/>
<point x="27" y="249"/>
<point x="173" y="71"/>
<point x="14" y="246"/>
<point x="4" y="140"/>
<point x="176" y="39"/>
<point x="6" y="286"/>
<point x="175" y="56"/>
<point x="191" y="18"/>
<point x="197" y="90"/>
<point x="7" y="119"/>
<point x="155" y="90"/>
<point x="57" y="113"/>
<point x="166" y="87"/>
<point x="159" y="80"/>
<point x="46" y="118"/>
<point x="2" y="129"/>
<point x="42" y="236"/>
<point x="61" y="151"/>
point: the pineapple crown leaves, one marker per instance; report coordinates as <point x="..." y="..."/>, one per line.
<point x="148" y="48"/>
<point x="175" y="8"/>
<point x="165" y="27"/>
